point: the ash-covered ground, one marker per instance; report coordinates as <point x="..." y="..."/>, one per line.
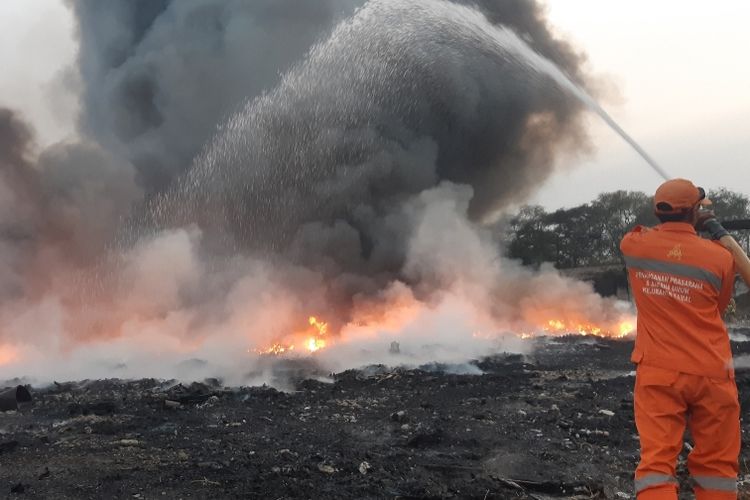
<point x="556" y="424"/>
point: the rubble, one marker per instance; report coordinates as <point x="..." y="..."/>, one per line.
<point x="555" y="424"/>
<point x="364" y="467"/>
<point x="8" y="446"/>
<point x="11" y="398"/>
<point x="172" y="405"/>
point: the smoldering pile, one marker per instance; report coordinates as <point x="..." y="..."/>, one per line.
<point x="352" y="183"/>
<point x="558" y="424"/>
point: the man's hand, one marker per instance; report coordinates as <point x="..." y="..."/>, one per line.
<point x="707" y="222"/>
<point x="702" y="217"/>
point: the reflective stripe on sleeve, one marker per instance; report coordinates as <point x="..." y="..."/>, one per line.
<point x="653" y="480"/>
<point x="683" y="270"/>
<point x="716" y="483"/>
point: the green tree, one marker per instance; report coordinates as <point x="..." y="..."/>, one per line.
<point x="578" y="242"/>
<point x="730" y="205"/>
<point x="617" y="213"/>
<point x="531" y="241"/>
<point x="590" y="234"/>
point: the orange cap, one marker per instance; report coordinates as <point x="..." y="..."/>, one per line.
<point x="677" y="195"/>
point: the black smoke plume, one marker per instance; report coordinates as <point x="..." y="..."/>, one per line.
<point x="245" y="164"/>
<point x="400" y="99"/>
<point x="60" y="208"/>
<point x="160" y="75"/>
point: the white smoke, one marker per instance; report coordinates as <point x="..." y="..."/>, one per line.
<point x="184" y="317"/>
<point x="350" y="192"/>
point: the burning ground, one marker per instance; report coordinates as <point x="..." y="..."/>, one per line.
<point x="555" y="424"/>
<point x="223" y="187"/>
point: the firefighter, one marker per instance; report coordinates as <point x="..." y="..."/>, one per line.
<point x="682" y="284"/>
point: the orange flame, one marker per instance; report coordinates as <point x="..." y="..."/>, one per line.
<point x="275" y="349"/>
<point x="316" y="336"/>
<point x="618" y="330"/>
<point x="626" y="328"/>
<point x="311" y="339"/>
<point x="557" y="327"/>
<point x="317" y="343"/>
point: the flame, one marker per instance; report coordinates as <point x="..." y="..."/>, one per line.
<point x="276" y="349"/>
<point x="368" y="322"/>
<point x="311" y="339"/>
<point x="321" y="327"/>
<point x="316" y="343"/>
<point x="626" y="328"/>
<point x="618" y="330"/>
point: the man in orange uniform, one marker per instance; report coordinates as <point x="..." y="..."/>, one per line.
<point x="682" y="284"/>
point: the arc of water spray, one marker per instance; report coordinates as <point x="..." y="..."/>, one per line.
<point x="508" y="40"/>
<point x="608" y="119"/>
<point x="561" y="78"/>
<point x="548" y="67"/>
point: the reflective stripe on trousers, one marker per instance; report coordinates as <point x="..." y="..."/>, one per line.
<point x="650" y="480"/>
<point x="716" y="483"/>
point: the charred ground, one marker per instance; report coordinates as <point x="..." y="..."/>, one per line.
<point x="554" y="424"/>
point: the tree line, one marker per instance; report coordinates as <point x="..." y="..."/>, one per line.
<point x="590" y="234"/>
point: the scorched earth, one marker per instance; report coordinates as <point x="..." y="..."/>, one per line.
<point x="554" y="424"/>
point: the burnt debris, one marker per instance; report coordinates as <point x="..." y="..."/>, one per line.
<point x="10" y="398"/>
<point x="555" y="424"/>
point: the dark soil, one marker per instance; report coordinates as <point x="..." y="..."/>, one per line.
<point x="557" y="424"/>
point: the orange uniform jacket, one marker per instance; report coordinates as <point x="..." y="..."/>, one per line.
<point x="682" y="284"/>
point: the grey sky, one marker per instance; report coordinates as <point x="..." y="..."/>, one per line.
<point x="38" y="44"/>
<point x="681" y="87"/>
<point x="684" y="90"/>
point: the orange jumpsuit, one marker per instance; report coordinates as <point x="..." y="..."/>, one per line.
<point x="682" y="284"/>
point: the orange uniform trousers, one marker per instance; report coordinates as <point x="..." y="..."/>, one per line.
<point x="665" y="403"/>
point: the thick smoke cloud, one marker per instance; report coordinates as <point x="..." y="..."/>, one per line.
<point x="160" y="75"/>
<point x="16" y="204"/>
<point x="59" y="208"/>
<point x="401" y="98"/>
<point x="244" y="165"/>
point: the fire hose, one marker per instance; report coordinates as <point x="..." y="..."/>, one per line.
<point x="741" y="260"/>
<point x="736" y="225"/>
